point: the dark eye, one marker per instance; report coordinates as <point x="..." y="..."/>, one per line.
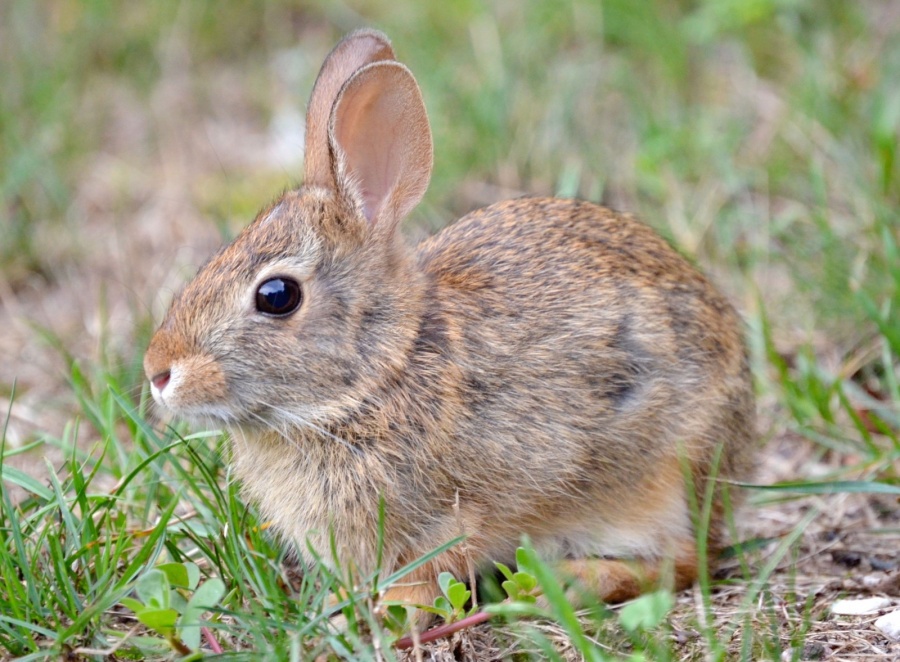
<point x="278" y="296"/>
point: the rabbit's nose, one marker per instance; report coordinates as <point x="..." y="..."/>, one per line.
<point x="160" y="380"/>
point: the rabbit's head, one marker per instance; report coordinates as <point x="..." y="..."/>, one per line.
<point x="310" y="309"/>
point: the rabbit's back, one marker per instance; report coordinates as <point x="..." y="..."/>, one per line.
<point x="590" y="350"/>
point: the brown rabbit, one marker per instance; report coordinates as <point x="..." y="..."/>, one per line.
<point x="554" y="365"/>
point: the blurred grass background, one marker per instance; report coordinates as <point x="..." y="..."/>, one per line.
<point x="760" y="136"/>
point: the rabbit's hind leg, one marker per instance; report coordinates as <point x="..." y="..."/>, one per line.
<point x="618" y="580"/>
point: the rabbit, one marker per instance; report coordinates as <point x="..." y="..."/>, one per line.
<point x="551" y="365"/>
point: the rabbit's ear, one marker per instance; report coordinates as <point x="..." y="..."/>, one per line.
<point x="381" y="142"/>
<point x="354" y="51"/>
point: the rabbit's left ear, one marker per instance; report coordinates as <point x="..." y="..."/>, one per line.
<point x="381" y="143"/>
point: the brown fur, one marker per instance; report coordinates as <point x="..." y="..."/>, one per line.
<point x="552" y="364"/>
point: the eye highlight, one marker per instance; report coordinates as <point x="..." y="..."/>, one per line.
<point x="278" y="297"/>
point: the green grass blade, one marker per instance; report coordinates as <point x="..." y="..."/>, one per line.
<point x="830" y="487"/>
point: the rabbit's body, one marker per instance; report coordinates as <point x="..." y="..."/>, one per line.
<point x="552" y="366"/>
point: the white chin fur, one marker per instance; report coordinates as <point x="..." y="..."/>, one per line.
<point x="157" y="397"/>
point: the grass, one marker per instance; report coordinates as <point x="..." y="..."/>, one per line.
<point x="760" y="136"/>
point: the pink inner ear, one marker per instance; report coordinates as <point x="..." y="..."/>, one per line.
<point x="367" y="132"/>
<point x="371" y="205"/>
<point x="382" y="139"/>
<point x="381" y="167"/>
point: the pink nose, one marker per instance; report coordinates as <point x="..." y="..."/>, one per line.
<point x="160" y="380"/>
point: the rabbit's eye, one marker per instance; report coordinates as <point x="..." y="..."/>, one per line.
<point x="278" y="296"/>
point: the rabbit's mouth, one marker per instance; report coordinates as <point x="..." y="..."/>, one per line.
<point x="192" y="388"/>
<point x="200" y="415"/>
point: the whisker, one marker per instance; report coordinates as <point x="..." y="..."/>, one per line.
<point x="301" y="423"/>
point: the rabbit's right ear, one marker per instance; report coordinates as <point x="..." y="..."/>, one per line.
<point x="354" y="52"/>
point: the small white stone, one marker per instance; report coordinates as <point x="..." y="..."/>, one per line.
<point x="790" y="654"/>
<point x="871" y="581"/>
<point x="859" y="607"/>
<point x="890" y="624"/>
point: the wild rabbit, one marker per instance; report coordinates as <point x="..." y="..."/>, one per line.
<point x="554" y="365"/>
